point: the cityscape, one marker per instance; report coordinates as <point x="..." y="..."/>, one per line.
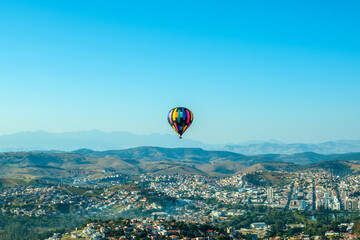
<point x="164" y="206"/>
<point x="182" y="120"/>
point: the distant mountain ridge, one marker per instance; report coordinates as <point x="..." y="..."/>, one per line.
<point x="198" y="155"/>
<point x="332" y="147"/>
<point x="157" y="160"/>
<point x="98" y="140"/>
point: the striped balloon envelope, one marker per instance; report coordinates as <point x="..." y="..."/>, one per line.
<point x="180" y="119"/>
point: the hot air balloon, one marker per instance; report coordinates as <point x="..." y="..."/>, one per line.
<point x="180" y="119"/>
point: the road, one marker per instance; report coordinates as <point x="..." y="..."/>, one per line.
<point x="290" y="194"/>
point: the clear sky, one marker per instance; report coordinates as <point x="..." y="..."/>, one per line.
<point x="288" y="70"/>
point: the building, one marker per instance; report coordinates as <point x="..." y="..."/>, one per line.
<point x="259" y="225"/>
<point x="302" y="205"/>
<point x="344" y="194"/>
<point x="270" y="194"/>
<point x="351" y="204"/>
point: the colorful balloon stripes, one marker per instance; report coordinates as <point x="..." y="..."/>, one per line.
<point x="180" y="119"/>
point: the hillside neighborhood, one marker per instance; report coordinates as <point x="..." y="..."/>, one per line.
<point x="190" y="199"/>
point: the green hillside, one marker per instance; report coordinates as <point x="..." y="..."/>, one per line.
<point x="155" y="160"/>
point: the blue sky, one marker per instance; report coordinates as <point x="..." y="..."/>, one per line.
<point x="288" y="70"/>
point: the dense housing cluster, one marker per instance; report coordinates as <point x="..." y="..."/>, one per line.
<point x="250" y="204"/>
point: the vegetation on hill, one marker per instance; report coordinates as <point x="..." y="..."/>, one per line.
<point x="340" y="168"/>
<point x="266" y="179"/>
<point x="53" y="166"/>
<point x="32" y="228"/>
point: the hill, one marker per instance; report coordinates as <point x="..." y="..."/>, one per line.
<point x="266" y="179"/>
<point x="274" y="166"/>
<point x="156" y="160"/>
<point x="192" y="155"/>
<point x="332" y="147"/>
<point x="336" y="167"/>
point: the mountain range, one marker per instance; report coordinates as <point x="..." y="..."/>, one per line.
<point x="156" y="160"/>
<point x="98" y="140"/>
<point x="331" y="147"/>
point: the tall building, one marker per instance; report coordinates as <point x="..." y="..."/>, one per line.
<point x="344" y="194"/>
<point x="355" y="204"/>
<point x="270" y="194"/>
<point x="318" y="203"/>
<point x="302" y="205"/>
<point x="351" y="204"/>
<point x="337" y="206"/>
<point x="347" y="204"/>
